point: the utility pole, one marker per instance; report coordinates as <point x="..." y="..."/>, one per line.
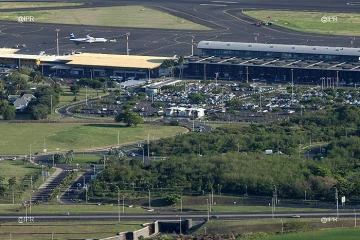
<point x="118" y="203"/>
<point x="127" y="43"/>
<point x="192" y="45"/>
<point x="149" y="199"/>
<point x="337" y="202"/>
<point x="148" y="142"/>
<point x="292" y="86"/>
<point x="118" y="139"/>
<point x="57" y="41"/>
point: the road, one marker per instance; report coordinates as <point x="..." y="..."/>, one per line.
<point x="171" y="216"/>
<point x="224" y="17"/>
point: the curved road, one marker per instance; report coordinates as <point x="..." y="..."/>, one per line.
<point x="224" y="17"/>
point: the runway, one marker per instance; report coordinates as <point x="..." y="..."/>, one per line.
<point x="224" y="17"/>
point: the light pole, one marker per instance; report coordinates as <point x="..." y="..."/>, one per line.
<point x="337" y="202"/>
<point x="247" y="74"/>
<point x="127" y="43"/>
<point x="282" y="226"/>
<point x="149" y="199"/>
<point x="305" y="195"/>
<point x="192" y="45"/>
<point x="256" y="37"/>
<point x="180" y="226"/>
<point x="139" y="145"/>
<point x="246" y="190"/>
<point x="42" y="172"/>
<point x="57" y="41"/>
<point x="86" y="95"/>
<point x="149" y="75"/>
<point x="118" y="202"/>
<point x="355" y="217"/>
<point x="207" y="206"/>
<point x="292" y="86"/>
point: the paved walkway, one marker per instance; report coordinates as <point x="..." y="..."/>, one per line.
<point x="51" y="178"/>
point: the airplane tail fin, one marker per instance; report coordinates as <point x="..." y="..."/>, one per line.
<point x="72" y="36"/>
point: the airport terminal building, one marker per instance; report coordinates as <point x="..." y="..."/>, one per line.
<point x="86" y="64"/>
<point x="275" y="63"/>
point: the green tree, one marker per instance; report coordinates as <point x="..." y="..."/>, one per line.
<point x="129" y="117"/>
<point x="3" y="105"/>
<point x="25" y="70"/>
<point x="39" y="111"/>
<point x="75" y="89"/>
<point x="9" y="113"/>
<point x="36" y="77"/>
<point x="181" y="62"/>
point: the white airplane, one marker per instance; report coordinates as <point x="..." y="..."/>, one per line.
<point x="88" y="39"/>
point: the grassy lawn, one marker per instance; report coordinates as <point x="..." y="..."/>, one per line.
<point x="324" y="234"/>
<point x="74" y="136"/>
<point x="13" y="5"/>
<point x="10" y="168"/>
<point x="346" y="24"/>
<point x="117" y="16"/>
<point x="73" y="209"/>
<point x="68" y="230"/>
<point x="67" y="97"/>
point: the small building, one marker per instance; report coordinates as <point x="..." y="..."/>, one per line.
<point x="268" y="152"/>
<point x="185" y="112"/>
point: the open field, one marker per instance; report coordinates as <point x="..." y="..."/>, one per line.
<point x="73" y="209"/>
<point x="117" y="16"/>
<point x="10" y="168"/>
<point x="14" y="5"/>
<point x="346" y="24"/>
<point x="67" y="97"/>
<point x="62" y="231"/>
<point x="271" y="229"/>
<point x="74" y="136"/>
<point x="324" y="234"/>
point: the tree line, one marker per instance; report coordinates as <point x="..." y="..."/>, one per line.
<point x="315" y="153"/>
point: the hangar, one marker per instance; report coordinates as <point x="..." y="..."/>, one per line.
<point x="250" y="62"/>
<point x="86" y="64"/>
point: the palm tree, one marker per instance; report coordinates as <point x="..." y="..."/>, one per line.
<point x="169" y="63"/>
<point x="181" y="61"/>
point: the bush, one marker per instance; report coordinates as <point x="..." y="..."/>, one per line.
<point x="174" y="123"/>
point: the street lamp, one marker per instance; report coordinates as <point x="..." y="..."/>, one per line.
<point x="292" y="86"/>
<point x="149" y="199"/>
<point x="337" y="202"/>
<point x="207" y="206"/>
<point x="355" y="217"/>
<point x="86" y="95"/>
<point x="118" y="198"/>
<point x="139" y="145"/>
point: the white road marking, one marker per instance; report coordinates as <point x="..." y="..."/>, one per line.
<point x="222" y="2"/>
<point x="217" y="5"/>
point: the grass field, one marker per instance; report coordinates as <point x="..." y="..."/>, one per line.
<point x="14" y="5"/>
<point x="346" y="24"/>
<point x="119" y="16"/>
<point x="17" y="138"/>
<point x="324" y="234"/>
<point x="10" y="168"/>
<point x="67" y="97"/>
<point x="68" y="230"/>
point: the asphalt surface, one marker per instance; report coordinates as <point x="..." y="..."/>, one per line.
<point x="171" y="216"/>
<point x="224" y="17"/>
